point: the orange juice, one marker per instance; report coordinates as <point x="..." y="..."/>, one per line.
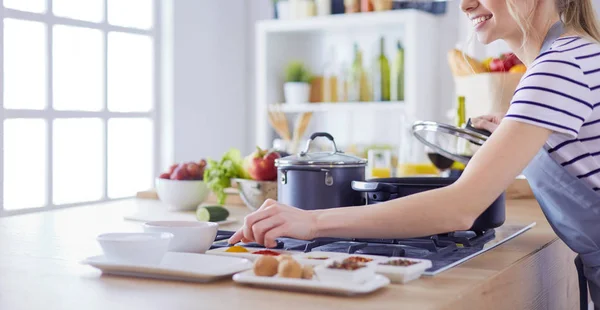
<point x="381" y="172"/>
<point x="416" y="169"/>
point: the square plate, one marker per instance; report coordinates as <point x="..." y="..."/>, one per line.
<point x="175" y="266"/>
<point x="314" y="285"/>
<point x="304" y="259"/>
<point x="248" y="255"/>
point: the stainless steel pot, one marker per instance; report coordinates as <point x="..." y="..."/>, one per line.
<point x="319" y="180"/>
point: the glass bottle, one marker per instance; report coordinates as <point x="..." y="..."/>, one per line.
<point x="381" y="75"/>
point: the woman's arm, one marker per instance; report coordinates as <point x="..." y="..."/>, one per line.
<point x="491" y="170"/>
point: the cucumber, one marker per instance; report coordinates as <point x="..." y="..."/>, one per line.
<point x="211" y="214"/>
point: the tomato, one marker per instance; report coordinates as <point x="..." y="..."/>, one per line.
<point x="497" y="65"/>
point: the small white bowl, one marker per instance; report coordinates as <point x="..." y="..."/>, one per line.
<point x="402" y="274"/>
<point x="339" y="275"/>
<point x="135" y="248"/>
<point x="189" y="236"/>
<point x="181" y="195"/>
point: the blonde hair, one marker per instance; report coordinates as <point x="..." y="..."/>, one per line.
<point x="577" y="15"/>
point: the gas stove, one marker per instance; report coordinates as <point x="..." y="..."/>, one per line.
<point x="445" y="250"/>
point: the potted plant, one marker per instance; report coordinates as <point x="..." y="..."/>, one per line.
<point x="297" y="83"/>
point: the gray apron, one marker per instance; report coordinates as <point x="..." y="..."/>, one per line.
<point x="571" y="207"/>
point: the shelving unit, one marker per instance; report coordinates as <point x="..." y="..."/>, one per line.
<point x="389" y="106"/>
<point x="281" y="41"/>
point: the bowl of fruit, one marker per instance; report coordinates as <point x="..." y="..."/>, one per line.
<point x="182" y="187"/>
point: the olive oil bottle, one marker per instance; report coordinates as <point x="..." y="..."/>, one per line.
<point x="381" y="75"/>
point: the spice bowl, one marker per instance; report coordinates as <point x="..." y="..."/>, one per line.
<point x="401" y="270"/>
<point x="343" y="270"/>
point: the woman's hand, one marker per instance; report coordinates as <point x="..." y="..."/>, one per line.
<point x="273" y="220"/>
<point x="488" y="122"/>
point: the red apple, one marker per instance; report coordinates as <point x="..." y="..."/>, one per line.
<point x="261" y="165"/>
<point x="172" y="168"/>
<point x="180" y="173"/>
<point x="165" y="175"/>
<point x="193" y="170"/>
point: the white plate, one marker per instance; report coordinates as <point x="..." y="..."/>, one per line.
<point x="247" y="255"/>
<point x="176" y="266"/>
<point x="313" y="285"/>
<point x="304" y="260"/>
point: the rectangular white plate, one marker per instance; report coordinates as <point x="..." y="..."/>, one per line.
<point x="176" y="266"/>
<point x="247" y="255"/>
<point x="304" y="260"/>
<point x="313" y="285"/>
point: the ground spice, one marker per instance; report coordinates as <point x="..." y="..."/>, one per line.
<point x="266" y="252"/>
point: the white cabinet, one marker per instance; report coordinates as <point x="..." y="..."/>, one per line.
<point x="308" y="40"/>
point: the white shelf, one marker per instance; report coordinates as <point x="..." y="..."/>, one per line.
<point x="339" y="106"/>
<point x="344" y="21"/>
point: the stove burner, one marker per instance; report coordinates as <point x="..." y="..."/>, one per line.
<point x="383" y="250"/>
<point x="341" y="247"/>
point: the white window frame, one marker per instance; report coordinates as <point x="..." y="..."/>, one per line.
<point x="49" y="114"/>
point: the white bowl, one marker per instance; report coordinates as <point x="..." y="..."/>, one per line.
<point x="189" y="236"/>
<point x="360" y="275"/>
<point x="402" y="274"/>
<point x="135" y="248"/>
<point x="181" y="195"/>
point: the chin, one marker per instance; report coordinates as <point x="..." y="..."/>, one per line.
<point x="485" y="38"/>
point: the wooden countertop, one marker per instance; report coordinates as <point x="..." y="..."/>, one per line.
<point x="40" y="254"/>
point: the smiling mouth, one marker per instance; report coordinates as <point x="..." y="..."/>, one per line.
<point x="481" y="19"/>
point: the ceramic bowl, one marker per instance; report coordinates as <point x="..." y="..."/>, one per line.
<point x="359" y="275"/>
<point x="181" y="195"/>
<point x="189" y="236"/>
<point x="135" y="248"/>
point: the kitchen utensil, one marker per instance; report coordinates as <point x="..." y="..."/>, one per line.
<point x="176" y="266"/>
<point x="302" y="122"/>
<point x="458" y="144"/>
<point x="254" y="193"/>
<point x="314" y="285"/>
<point x="279" y="122"/>
<point x="181" y="195"/>
<point x="189" y="236"/>
<point x="380" y="190"/>
<point x="319" y="180"/>
<point x="135" y="248"/>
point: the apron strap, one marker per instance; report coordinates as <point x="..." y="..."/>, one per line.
<point x="583" y="291"/>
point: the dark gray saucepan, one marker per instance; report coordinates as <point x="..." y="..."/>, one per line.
<point x="319" y="180"/>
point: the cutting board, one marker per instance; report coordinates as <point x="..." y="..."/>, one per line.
<point x="158" y="212"/>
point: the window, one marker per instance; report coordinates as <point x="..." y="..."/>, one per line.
<point x="78" y="101"/>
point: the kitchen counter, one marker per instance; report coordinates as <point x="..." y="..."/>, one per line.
<point x="40" y="254"/>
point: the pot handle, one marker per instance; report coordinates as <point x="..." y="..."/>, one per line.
<point x="316" y="135"/>
<point x="361" y="186"/>
<point x="328" y="176"/>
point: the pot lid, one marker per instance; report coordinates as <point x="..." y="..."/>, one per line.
<point x="321" y="159"/>
<point x="456" y="143"/>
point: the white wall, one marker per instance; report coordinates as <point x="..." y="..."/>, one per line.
<point x="211" y="70"/>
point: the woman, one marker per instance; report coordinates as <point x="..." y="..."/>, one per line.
<point x="551" y="133"/>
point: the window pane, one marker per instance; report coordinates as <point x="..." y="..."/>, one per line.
<point x="77" y="160"/>
<point x="130" y="72"/>
<point x="130" y="158"/>
<point x="89" y="10"/>
<point x="78" y="69"/>
<point x="24" y="64"/>
<point x="131" y="13"/>
<point x="24" y="163"/>
<point x="35" y="6"/>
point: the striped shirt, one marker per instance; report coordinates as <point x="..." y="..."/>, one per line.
<point x="561" y="91"/>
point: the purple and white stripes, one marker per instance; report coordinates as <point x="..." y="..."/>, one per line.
<point x="561" y="92"/>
